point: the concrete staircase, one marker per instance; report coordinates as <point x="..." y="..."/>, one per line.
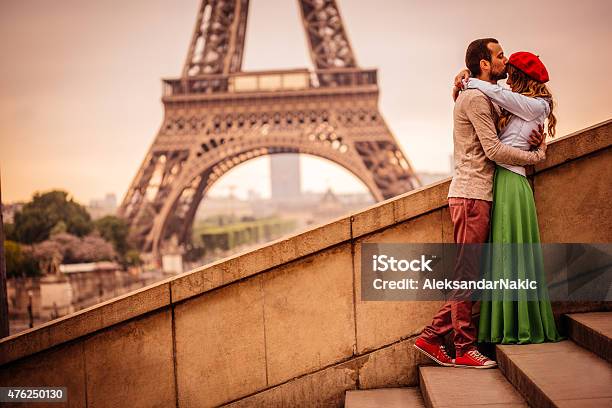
<point x="384" y="397"/>
<point x="571" y="373"/>
<point x="592" y="331"/>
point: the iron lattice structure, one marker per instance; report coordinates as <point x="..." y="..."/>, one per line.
<point x="217" y="117"/>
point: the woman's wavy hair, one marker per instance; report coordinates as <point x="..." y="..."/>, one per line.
<point x="527" y="86"/>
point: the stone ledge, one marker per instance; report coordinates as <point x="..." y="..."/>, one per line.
<point x="260" y="259"/>
<point x="592" y="139"/>
<point x="85" y="321"/>
<point x="193" y="283"/>
<point x="421" y="201"/>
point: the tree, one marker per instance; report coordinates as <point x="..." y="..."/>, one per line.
<point x="49" y="255"/>
<point x="132" y="258"/>
<point x="60" y="248"/>
<point x="93" y="248"/>
<point x="68" y="248"/>
<point x="9" y="231"/>
<point x="19" y="261"/>
<point x="38" y="218"/>
<point x="58" y="228"/>
<point x="114" y="230"/>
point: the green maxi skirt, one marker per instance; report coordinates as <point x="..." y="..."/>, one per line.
<point x="514" y="221"/>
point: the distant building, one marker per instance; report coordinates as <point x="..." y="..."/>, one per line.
<point x="102" y="266"/>
<point x="243" y="233"/>
<point x="213" y="206"/>
<point x="99" y="208"/>
<point x="225" y="225"/>
<point x="9" y="210"/>
<point x="329" y="206"/>
<point x="311" y="208"/>
<point x="285" y="177"/>
<point x="253" y="195"/>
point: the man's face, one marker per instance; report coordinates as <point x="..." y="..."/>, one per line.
<point x="498" y="62"/>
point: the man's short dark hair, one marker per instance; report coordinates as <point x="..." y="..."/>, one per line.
<point x="476" y="51"/>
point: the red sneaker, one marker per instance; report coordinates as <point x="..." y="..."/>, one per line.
<point x="473" y="359"/>
<point x="436" y="352"/>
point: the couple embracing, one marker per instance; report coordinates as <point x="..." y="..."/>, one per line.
<point x="497" y="131"/>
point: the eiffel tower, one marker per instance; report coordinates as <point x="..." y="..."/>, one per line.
<point x="217" y="117"/>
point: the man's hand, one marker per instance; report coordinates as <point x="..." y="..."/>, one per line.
<point x="458" y="83"/>
<point x="537" y="136"/>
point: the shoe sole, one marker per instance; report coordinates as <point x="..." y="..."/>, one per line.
<point x="477" y="367"/>
<point x="433" y="358"/>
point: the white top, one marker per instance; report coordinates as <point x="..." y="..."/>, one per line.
<point x="528" y="113"/>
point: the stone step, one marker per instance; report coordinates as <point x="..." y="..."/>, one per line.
<point x="559" y="374"/>
<point x="384" y="398"/>
<point x="592" y="331"/>
<point x="467" y="387"/>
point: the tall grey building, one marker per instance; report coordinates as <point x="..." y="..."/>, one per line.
<point x="285" y="176"/>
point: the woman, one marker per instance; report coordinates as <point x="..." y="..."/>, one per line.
<point x="518" y="317"/>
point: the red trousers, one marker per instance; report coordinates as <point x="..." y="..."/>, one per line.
<point x="471" y="220"/>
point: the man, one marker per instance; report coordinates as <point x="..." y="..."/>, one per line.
<point x="476" y="149"/>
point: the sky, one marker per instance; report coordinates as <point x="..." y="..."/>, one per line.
<point x="80" y="81"/>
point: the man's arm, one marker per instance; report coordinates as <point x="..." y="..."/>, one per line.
<point x="479" y="113"/>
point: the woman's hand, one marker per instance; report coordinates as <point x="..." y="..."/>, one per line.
<point x="456" y="91"/>
<point x="459" y="85"/>
<point x="542" y="146"/>
<point x="463" y="74"/>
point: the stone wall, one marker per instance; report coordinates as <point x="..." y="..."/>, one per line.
<point x="283" y="325"/>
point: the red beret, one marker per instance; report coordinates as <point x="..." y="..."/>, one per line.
<point x="530" y="64"/>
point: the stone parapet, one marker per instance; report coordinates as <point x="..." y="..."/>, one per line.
<point x="286" y="320"/>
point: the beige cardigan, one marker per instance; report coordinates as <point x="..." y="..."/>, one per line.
<point x="477" y="147"/>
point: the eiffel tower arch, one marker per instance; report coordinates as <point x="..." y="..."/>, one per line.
<point x="216" y="117"/>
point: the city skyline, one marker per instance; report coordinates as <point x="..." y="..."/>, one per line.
<point x="80" y="87"/>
